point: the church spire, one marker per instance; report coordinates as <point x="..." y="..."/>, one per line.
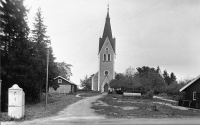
<point x="107" y="29"/>
<point x="107" y="33"/>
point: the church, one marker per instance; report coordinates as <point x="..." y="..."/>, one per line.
<point x="106" y="55"/>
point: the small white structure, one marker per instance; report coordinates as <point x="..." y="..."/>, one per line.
<point x="16" y="102"/>
<point x="132" y="94"/>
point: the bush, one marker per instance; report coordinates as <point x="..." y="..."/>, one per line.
<point x="163" y="95"/>
<point x="110" y="92"/>
<point x="154" y="107"/>
<point x="148" y="95"/>
<point x="119" y="92"/>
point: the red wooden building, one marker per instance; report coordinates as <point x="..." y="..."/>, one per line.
<point x="191" y="94"/>
<point x="65" y="86"/>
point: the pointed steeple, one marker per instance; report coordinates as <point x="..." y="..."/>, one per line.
<point x="107" y="33"/>
<point x="107" y="29"/>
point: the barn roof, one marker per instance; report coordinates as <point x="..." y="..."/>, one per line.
<point x="190" y="83"/>
<point x="65" y="80"/>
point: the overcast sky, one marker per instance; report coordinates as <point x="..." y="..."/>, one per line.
<point x="153" y="33"/>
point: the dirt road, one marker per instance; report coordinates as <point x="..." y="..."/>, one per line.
<point x="79" y="110"/>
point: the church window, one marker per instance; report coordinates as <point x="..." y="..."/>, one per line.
<point x="109" y="57"/>
<point x="104" y="57"/>
<point x="107" y="49"/>
<point x="106" y="72"/>
<point x="59" y="80"/>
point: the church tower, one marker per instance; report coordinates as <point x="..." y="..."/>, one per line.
<point x="106" y="55"/>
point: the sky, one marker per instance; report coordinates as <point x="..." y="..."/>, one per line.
<point x="164" y="33"/>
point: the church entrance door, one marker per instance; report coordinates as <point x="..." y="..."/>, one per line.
<point x="106" y="87"/>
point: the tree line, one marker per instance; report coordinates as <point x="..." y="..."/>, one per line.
<point x="148" y="79"/>
<point x="143" y="80"/>
<point x="24" y="53"/>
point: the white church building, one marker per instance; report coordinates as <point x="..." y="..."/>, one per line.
<point x="106" y="54"/>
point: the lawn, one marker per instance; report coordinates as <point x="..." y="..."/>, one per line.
<point x="116" y="106"/>
<point x="88" y="93"/>
<point x="56" y="103"/>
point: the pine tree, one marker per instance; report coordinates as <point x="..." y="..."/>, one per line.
<point x="172" y="77"/>
<point x="166" y="77"/>
<point x="40" y="42"/>
<point x="15" y="48"/>
<point x="158" y="70"/>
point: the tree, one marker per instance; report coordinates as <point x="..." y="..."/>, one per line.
<point x="119" y="76"/>
<point x="40" y="44"/>
<point x="166" y="77"/>
<point x="64" y="69"/>
<point x="130" y="72"/>
<point x="156" y="82"/>
<point x="169" y="79"/>
<point x="53" y="70"/>
<point x="15" y="48"/>
<point x="23" y="59"/>
<point x="39" y="31"/>
<point x="158" y="70"/>
<point x="86" y="83"/>
<point x="41" y="41"/>
<point x="151" y="79"/>
<point x="172" y="77"/>
<point x="143" y="71"/>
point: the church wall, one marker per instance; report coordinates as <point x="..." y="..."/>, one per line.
<point x="95" y="82"/>
<point x="105" y="65"/>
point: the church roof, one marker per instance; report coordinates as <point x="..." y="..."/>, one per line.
<point x="107" y="29"/>
<point x="107" y="33"/>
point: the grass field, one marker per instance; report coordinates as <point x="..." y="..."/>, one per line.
<point x="88" y="93"/>
<point x="116" y="106"/>
<point x="56" y="103"/>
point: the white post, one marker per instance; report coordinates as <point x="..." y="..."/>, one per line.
<point x="16" y="102"/>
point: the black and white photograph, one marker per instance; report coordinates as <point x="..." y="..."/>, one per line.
<point x="99" y="62"/>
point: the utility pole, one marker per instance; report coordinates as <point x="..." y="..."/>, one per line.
<point x="47" y="75"/>
<point x="0" y="98"/>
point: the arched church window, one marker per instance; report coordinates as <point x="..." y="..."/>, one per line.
<point x="109" y="57"/>
<point x="104" y="57"/>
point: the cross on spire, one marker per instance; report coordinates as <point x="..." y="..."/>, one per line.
<point x="108" y="7"/>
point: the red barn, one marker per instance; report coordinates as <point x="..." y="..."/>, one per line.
<point x="192" y="93"/>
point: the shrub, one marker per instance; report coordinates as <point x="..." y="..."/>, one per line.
<point x="163" y="95"/>
<point x="148" y="95"/>
<point x="119" y="92"/>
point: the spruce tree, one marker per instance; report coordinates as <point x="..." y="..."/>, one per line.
<point x="41" y="45"/>
<point x="15" y="48"/>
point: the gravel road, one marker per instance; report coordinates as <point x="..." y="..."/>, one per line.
<point x="81" y="109"/>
